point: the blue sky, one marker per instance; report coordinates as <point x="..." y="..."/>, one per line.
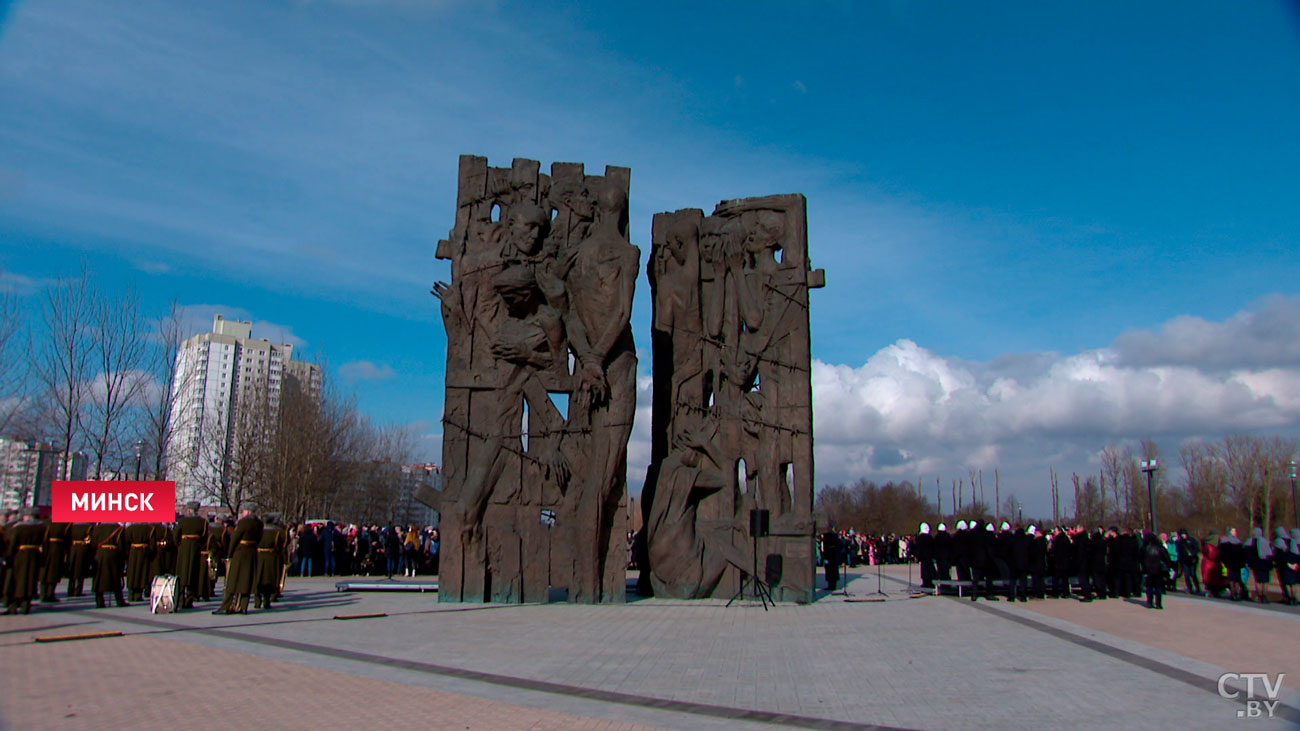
<point x="1023" y="209"/>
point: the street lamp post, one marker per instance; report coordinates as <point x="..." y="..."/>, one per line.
<point x="139" y="452"/>
<point x="1295" y="504"/>
<point x="1150" y="466"/>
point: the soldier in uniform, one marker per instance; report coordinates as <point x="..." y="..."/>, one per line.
<point x="191" y="560"/>
<point x="243" y="559"/>
<point x="79" y="555"/>
<point x="139" y="541"/>
<point x="56" y="550"/>
<point x="210" y="556"/>
<point x="24" y="556"/>
<point x="163" y="561"/>
<point x="272" y="554"/>
<point x="109" y="541"/>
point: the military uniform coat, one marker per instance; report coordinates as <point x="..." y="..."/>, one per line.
<point x="56" y="552"/>
<point x="139" y="543"/>
<point x="79" y="551"/>
<point x="24" y="556"/>
<point x="272" y="552"/>
<point x="191" y="537"/>
<point x="243" y="555"/>
<point x="109" y="542"/>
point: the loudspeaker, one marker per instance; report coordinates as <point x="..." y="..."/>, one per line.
<point x="759" y="523"/>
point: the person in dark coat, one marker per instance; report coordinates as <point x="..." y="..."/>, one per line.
<point x="923" y="549"/>
<point x="1286" y="554"/>
<point x="981" y="551"/>
<point x="109" y="540"/>
<point x="1259" y="557"/>
<point x="211" y="555"/>
<point x="271" y="559"/>
<point x="1130" y="566"/>
<point x="191" y="537"/>
<point x="1189" y="561"/>
<point x="1020" y="544"/>
<point x="23" y="553"/>
<point x="243" y="557"/>
<point x="1233" y="558"/>
<point x="307" y="541"/>
<point x="140" y="546"/>
<point x="1097" y="563"/>
<point x="1037" y="562"/>
<point x="80" y="552"/>
<point x="1080" y="543"/>
<point x="55" y="553"/>
<point x="1155" y="564"/>
<point x="831" y="558"/>
<point x="943" y="553"/>
<point x="328" y="566"/>
<point x="961" y="550"/>
<point x="1060" y="554"/>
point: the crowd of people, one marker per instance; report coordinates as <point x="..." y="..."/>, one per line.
<point x="1107" y="563"/>
<point x="324" y="548"/>
<point x="255" y="555"/>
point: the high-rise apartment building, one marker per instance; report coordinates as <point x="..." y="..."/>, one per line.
<point x="225" y="382"/>
<point x="28" y="468"/>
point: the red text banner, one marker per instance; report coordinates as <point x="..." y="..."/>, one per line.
<point x="124" y="501"/>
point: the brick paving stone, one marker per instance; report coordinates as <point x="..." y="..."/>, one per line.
<point x="916" y="663"/>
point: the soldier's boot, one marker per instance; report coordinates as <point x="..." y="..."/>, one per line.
<point x="120" y="601"/>
<point x="27" y="606"/>
<point x="11" y="608"/>
<point x="47" y="595"/>
<point x="99" y="599"/>
<point x="258" y="604"/>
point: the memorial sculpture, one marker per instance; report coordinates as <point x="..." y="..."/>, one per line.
<point x="541" y="393"/>
<point x="732" y="404"/>
<point x="541" y="384"/>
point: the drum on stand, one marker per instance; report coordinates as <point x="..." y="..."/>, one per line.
<point x="162" y="594"/>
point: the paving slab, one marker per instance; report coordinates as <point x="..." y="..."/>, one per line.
<point x="841" y="662"/>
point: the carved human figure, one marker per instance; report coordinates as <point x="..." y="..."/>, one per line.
<point x="528" y="339"/>
<point x="600" y="283"/>
<point x="677" y="309"/>
<point x="685" y="561"/>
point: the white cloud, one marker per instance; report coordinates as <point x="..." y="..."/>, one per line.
<point x="1267" y="337"/>
<point x="909" y="412"/>
<point x="364" y="370"/>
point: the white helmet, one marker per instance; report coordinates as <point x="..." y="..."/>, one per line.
<point x="961" y="525"/>
<point x="943" y="528"/>
<point x="1032" y="530"/>
<point x="1006" y="525"/>
<point x="989" y="527"/>
<point x="925" y="528"/>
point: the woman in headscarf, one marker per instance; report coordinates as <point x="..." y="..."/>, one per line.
<point x="1234" y="559"/>
<point x="1259" y="556"/>
<point x="1213" y="572"/>
<point x="1286" y="560"/>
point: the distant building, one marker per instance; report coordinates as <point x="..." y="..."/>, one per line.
<point x="28" y="469"/>
<point x="412" y="511"/>
<point x="223" y="379"/>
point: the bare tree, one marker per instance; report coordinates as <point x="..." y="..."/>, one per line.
<point x="63" y="365"/>
<point x="164" y="416"/>
<point x="119" y="342"/>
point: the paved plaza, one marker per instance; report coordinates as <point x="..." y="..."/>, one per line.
<point x="855" y="661"/>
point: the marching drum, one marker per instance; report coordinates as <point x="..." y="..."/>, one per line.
<point x="162" y="594"/>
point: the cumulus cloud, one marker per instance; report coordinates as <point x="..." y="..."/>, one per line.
<point x="364" y="370"/>
<point x="910" y="411"/>
<point x="1268" y="337"/>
